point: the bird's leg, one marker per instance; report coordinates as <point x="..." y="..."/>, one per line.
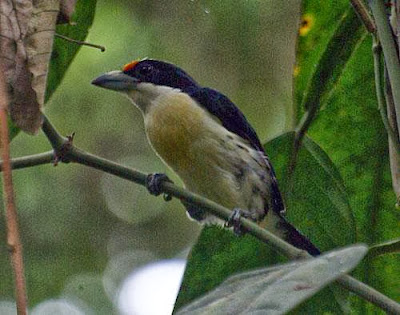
<point x="153" y="184"/>
<point x="194" y="211"/>
<point x="234" y="220"/>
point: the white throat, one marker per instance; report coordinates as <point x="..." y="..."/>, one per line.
<point x="146" y="94"/>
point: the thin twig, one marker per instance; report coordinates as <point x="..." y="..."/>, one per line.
<point x="80" y="42"/>
<point x="56" y="140"/>
<point x="13" y="237"/>
<point x="389" y="51"/>
<point x="364" y="15"/>
<point x="82" y="157"/>
<point x="377" y="52"/>
<point x="30" y="160"/>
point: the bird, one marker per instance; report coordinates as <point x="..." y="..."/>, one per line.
<point x="207" y="141"/>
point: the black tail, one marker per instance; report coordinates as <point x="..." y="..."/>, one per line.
<point x="294" y="237"/>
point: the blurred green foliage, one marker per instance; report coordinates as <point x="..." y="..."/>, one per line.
<point x="350" y="131"/>
<point x="78" y="224"/>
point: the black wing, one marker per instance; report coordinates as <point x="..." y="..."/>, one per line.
<point x="229" y="115"/>
<point x="233" y="119"/>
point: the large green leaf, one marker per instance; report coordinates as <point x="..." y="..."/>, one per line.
<point x="351" y="132"/>
<point x="316" y="199"/>
<point x="324" y="50"/>
<point x="319" y="208"/>
<point x="318" y="24"/>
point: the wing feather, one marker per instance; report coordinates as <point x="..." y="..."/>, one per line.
<point x="233" y="119"/>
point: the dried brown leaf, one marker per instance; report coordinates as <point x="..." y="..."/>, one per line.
<point x="26" y="37"/>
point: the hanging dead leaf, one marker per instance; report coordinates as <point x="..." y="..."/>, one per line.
<point x="26" y="38"/>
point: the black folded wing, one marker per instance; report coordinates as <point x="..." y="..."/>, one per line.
<point x="234" y="120"/>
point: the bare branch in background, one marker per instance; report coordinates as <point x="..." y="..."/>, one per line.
<point x="394" y="152"/>
<point x="392" y="131"/>
<point x="394" y="155"/>
<point x="13" y="237"/>
<point x="389" y="51"/>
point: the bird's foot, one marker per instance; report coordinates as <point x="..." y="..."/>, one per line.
<point x="234" y="220"/>
<point x="61" y="154"/>
<point x="154" y="182"/>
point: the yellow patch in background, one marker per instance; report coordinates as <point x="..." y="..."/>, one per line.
<point x="307" y="22"/>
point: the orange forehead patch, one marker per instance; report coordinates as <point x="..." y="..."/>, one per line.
<point x="130" y="66"/>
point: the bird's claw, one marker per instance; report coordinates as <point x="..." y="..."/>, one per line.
<point x="234" y="221"/>
<point x="154" y="182"/>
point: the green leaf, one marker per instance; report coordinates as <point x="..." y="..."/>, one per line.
<point x="316" y="202"/>
<point x="351" y="131"/>
<point x="327" y="55"/>
<point x="319" y="208"/>
<point x="318" y="23"/>
<point x="64" y="51"/>
<point x="276" y="289"/>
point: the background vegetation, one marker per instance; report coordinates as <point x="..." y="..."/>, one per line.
<point x="84" y="231"/>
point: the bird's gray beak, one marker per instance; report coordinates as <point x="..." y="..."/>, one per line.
<point x="116" y="80"/>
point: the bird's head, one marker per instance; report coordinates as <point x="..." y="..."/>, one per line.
<point x="144" y="80"/>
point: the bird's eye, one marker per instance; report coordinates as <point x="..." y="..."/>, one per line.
<point x="145" y="70"/>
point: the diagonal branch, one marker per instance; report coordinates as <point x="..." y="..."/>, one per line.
<point x="79" y="156"/>
<point x="74" y="154"/>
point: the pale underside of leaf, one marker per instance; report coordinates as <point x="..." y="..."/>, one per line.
<point x="26" y="39"/>
<point x="278" y="289"/>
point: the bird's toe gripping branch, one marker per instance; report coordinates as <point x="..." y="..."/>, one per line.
<point x="234" y="220"/>
<point x="61" y="154"/>
<point x="154" y="182"/>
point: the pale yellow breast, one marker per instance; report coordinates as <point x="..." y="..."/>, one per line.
<point x="198" y="148"/>
<point x="173" y="123"/>
<point x="187" y="138"/>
